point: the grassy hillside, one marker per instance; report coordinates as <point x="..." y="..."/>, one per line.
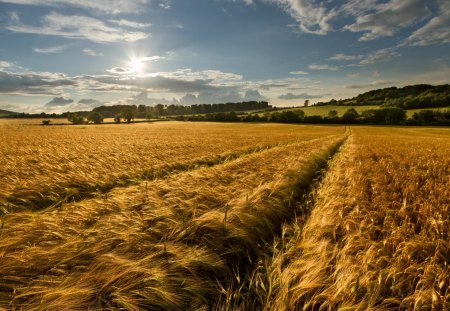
<point x="408" y="97"/>
<point x="410" y="112"/>
<point x="5" y="113"/>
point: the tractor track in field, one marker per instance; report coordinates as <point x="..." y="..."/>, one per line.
<point x="26" y="200"/>
<point x="303" y="203"/>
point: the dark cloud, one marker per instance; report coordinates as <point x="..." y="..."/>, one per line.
<point x="153" y="83"/>
<point x="32" y="83"/>
<point x="268" y="86"/>
<point x="59" y="101"/>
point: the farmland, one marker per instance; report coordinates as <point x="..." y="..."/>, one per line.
<point x="199" y="216"/>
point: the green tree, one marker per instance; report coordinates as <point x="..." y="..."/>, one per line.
<point x="332" y="114"/>
<point x="75" y="118"/>
<point x="350" y="116"/>
<point x="95" y="117"/>
<point x="117" y="118"/>
<point x="46" y="122"/>
<point x="128" y="115"/>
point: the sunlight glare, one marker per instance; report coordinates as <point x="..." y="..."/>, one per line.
<point x="137" y="65"/>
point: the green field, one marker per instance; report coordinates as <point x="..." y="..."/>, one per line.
<point x="410" y="112"/>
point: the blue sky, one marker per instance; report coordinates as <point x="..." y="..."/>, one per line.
<point x="59" y="55"/>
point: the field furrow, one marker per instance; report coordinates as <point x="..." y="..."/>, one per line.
<point x="165" y="244"/>
<point x="43" y="167"/>
<point x="378" y="235"/>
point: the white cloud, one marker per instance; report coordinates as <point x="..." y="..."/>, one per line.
<point x="130" y="24"/>
<point x="165" y="5"/>
<point x="298" y="72"/>
<point x="104" y="6"/>
<point x="4" y="64"/>
<point x="180" y="81"/>
<point x="151" y="58"/>
<point x="344" y="57"/>
<point x="323" y="67"/>
<point x="247" y="2"/>
<point x="389" y="18"/>
<point x="358" y="7"/>
<point x="374" y="18"/>
<point x="436" y="31"/>
<point x="92" y="53"/>
<point x="190" y="75"/>
<point x="313" y="16"/>
<point x="78" y="27"/>
<point x="51" y="49"/>
<point x="382" y="55"/>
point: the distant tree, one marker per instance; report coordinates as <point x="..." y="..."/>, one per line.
<point x="389" y="115"/>
<point x="117" y="118"/>
<point x="159" y="110"/>
<point x="148" y="115"/>
<point x="46" y="122"/>
<point x="75" y="118"/>
<point x="306" y="104"/>
<point x="313" y="119"/>
<point x="394" y="115"/>
<point x="424" y="116"/>
<point x="95" y="117"/>
<point x="350" y="116"/>
<point x="128" y="115"/>
<point x="301" y="114"/>
<point x="332" y="114"/>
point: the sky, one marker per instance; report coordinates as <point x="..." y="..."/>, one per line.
<point x="69" y="55"/>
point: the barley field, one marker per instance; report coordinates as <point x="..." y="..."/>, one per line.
<point x="45" y="166"/>
<point x="212" y="216"/>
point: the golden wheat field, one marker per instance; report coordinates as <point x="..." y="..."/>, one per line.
<point x="215" y="216"/>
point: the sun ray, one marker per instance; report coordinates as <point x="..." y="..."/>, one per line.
<point x="137" y="65"/>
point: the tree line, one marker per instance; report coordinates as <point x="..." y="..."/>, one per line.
<point x="143" y="111"/>
<point x="383" y="116"/>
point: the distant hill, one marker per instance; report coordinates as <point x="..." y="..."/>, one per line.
<point x="5" y="113"/>
<point x="408" y="97"/>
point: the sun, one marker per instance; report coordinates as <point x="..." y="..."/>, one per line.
<point x="136" y="65"/>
